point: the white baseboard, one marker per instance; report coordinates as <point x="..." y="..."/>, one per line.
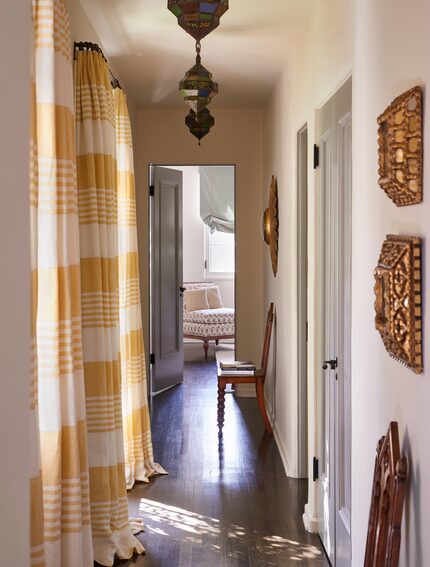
<point x="290" y="471"/>
<point x="310" y="521"/>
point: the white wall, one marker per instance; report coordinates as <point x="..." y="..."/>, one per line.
<point x="15" y="34"/>
<point x="392" y="49"/>
<point x="193" y="227"/>
<point x="389" y="55"/>
<point x="317" y="60"/>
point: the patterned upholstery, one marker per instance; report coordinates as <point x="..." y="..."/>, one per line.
<point x="197" y="285"/>
<point x="222" y="316"/>
<point x="208" y="323"/>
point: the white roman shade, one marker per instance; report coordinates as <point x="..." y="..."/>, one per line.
<point x="217" y="198"/>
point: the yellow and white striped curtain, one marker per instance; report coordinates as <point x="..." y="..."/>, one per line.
<point x="62" y="535"/>
<point x="98" y="212"/>
<point x="139" y="457"/>
<point x="37" y="542"/>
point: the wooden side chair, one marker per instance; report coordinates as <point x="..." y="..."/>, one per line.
<point x="386" y="507"/>
<point x="258" y="379"/>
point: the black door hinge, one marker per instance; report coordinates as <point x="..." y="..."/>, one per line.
<point x="151" y="190"/>
<point x="316" y="472"/>
<point x="152" y="358"/>
<point x="316" y="156"/>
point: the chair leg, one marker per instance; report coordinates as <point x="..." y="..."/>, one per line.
<point x="259" y="387"/>
<point x="221" y="405"/>
<point x="206" y="347"/>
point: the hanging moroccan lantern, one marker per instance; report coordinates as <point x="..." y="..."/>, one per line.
<point x="199" y="124"/>
<point x="197" y="87"/>
<point x="198" y="17"/>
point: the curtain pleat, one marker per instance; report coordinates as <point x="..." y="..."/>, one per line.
<point x="62" y="537"/>
<point x="98" y="219"/>
<point x="37" y="545"/>
<point x="139" y="457"/>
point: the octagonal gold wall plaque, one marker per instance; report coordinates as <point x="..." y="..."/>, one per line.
<point x="400" y="139"/>
<point x="398" y="303"/>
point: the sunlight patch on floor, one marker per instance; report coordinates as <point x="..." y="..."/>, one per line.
<point x="197" y="529"/>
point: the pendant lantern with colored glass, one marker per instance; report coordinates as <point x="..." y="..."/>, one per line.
<point x="198" y="17"/>
<point x="197" y="87"/>
<point x="199" y="124"/>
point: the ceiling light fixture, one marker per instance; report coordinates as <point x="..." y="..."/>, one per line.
<point x="197" y="87"/>
<point x="199" y="124"/>
<point x="198" y="17"/>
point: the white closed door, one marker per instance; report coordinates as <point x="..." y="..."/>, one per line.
<point x="335" y="374"/>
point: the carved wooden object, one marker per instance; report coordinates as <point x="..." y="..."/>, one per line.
<point x="400" y="137"/>
<point x="258" y="379"/>
<point x="386" y="507"/>
<point x="398" y="303"/>
<point x="270" y="225"/>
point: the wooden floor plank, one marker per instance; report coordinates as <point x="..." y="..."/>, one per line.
<point x="223" y="504"/>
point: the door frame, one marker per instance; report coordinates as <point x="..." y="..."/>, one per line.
<point x="302" y="299"/>
<point x="319" y="352"/>
<point x="150" y="260"/>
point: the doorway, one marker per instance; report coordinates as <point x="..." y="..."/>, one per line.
<point x="334" y="419"/>
<point x="192" y="247"/>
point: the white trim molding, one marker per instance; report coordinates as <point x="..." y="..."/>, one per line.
<point x="310" y="520"/>
<point x="290" y="471"/>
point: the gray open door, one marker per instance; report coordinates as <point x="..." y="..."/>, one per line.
<point x="166" y="303"/>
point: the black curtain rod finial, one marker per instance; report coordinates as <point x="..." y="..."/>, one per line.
<point x="88" y="46"/>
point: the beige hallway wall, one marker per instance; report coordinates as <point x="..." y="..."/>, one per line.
<point x="236" y="139"/>
<point x="15" y="444"/>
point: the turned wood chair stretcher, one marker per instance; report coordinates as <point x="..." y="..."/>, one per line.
<point x="258" y="379"/>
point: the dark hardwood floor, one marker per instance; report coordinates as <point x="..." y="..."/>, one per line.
<point x="223" y="504"/>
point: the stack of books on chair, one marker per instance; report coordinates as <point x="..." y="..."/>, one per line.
<point x="237" y="367"/>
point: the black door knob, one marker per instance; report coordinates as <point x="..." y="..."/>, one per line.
<point x="332" y="364"/>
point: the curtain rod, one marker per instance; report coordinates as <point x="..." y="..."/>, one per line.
<point x="88" y="46"/>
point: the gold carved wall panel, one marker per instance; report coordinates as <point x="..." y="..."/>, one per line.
<point x="400" y="139"/>
<point x="398" y="303"/>
<point x="270" y="225"/>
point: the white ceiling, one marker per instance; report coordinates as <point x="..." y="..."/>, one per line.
<point x="152" y="53"/>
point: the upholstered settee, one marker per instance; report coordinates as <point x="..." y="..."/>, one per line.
<point x="205" y="317"/>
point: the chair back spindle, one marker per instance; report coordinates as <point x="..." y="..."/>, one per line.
<point x="386" y="508"/>
<point x="267" y="336"/>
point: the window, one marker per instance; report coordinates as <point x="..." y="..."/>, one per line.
<point x="219" y="254"/>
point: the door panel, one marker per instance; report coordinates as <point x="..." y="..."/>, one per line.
<point x="335" y="380"/>
<point x="327" y="501"/>
<point x="166" y="279"/>
<point x="343" y="394"/>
